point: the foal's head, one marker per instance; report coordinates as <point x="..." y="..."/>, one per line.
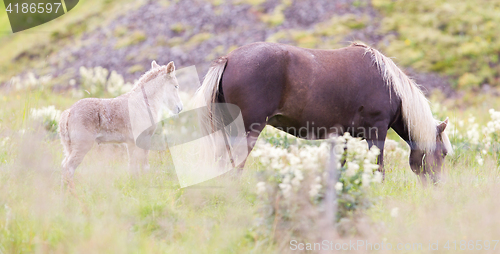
<point x="170" y="86"/>
<point x="430" y="162"/>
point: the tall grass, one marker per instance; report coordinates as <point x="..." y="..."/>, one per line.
<point x="112" y="210"/>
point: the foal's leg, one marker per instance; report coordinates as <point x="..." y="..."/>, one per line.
<point x="145" y="161"/>
<point x="138" y="158"/>
<point x="79" y="148"/>
<point x="132" y="157"/>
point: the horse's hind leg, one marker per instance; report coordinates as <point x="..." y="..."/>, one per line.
<point x="79" y="148"/>
<point x="253" y="133"/>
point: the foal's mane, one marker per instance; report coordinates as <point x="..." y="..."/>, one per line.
<point x="417" y="113"/>
<point x="148" y="76"/>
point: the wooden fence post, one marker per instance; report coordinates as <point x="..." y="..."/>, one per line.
<point x="331" y="193"/>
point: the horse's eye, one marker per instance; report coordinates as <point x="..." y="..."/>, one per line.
<point x="176" y="87"/>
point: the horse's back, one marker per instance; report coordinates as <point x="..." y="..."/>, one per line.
<point x="296" y="85"/>
<point x="286" y="69"/>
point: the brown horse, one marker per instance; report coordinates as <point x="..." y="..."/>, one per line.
<point x="314" y="93"/>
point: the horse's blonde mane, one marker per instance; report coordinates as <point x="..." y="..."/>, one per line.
<point x="149" y="75"/>
<point x="417" y="113"/>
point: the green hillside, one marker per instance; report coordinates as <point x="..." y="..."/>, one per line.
<point x="456" y="38"/>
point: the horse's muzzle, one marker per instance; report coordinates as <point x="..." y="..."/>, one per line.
<point x="178" y="109"/>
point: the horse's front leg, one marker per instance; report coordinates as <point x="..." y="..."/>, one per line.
<point x="133" y="162"/>
<point x="138" y="158"/>
<point x="144" y="158"/>
<point x="376" y="137"/>
<point x="380" y="159"/>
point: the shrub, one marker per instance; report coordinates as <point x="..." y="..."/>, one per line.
<point x="293" y="179"/>
<point x="29" y="81"/>
<point x="48" y="117"/>
<point x="116" y="85"/>
<point x="470" y="136"/>
<point x="93" y="80"/>
<point x="96" y="83"/>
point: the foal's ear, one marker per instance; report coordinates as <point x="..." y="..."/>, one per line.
<point x="170" y="67"/>
<point x="442" y="126"/>
<point x="154" y="65"/>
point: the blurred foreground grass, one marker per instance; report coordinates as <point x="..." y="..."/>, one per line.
<point x="115" y="212"/>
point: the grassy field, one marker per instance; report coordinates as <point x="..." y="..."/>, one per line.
<point x="114" y="211"/>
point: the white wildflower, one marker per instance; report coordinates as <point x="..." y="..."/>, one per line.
<point x="293" y="160"/>
<point x="472" y="119"/>
<point x="394" y="212"/>
<point x="286" y="179"/>
<point x="390" y="145"/>
<point x="479" y="160"/>
<point x="377" y="178"/>
<point x="261" y="188"/>
<point x="373" y="153"/>
<point x="286" y="170"/>
<point x="461" y="123"/>
<point x="116" y="84"/>
<point x="298" y="177"/>
<point x="368" y="167"/>
<point x="30" y="81"/>
<point x="277" y="164"/>
<point x="256" y="152"/>
<point x="318" y="179"/>
<point x="352" y="169"/>
<point x="315" y="188"/>
<point x="286" y="189"/>
<point x="365" y="179"/>
<point x="49" y="112"/>
<point x="339" y="186"/>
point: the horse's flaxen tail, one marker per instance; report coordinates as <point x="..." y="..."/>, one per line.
<point x="417" y="113"/>
<point x="64" y="133"/>
<point x="208" y="93"/>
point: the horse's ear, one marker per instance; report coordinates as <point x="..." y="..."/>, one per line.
<point x="170" y="67"/>
<point x="154" y="65"/>
<point x="442" y="126"/>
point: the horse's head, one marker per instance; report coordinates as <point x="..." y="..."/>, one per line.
<point x="170" y="87"/>
<point x="430" y="162"/>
